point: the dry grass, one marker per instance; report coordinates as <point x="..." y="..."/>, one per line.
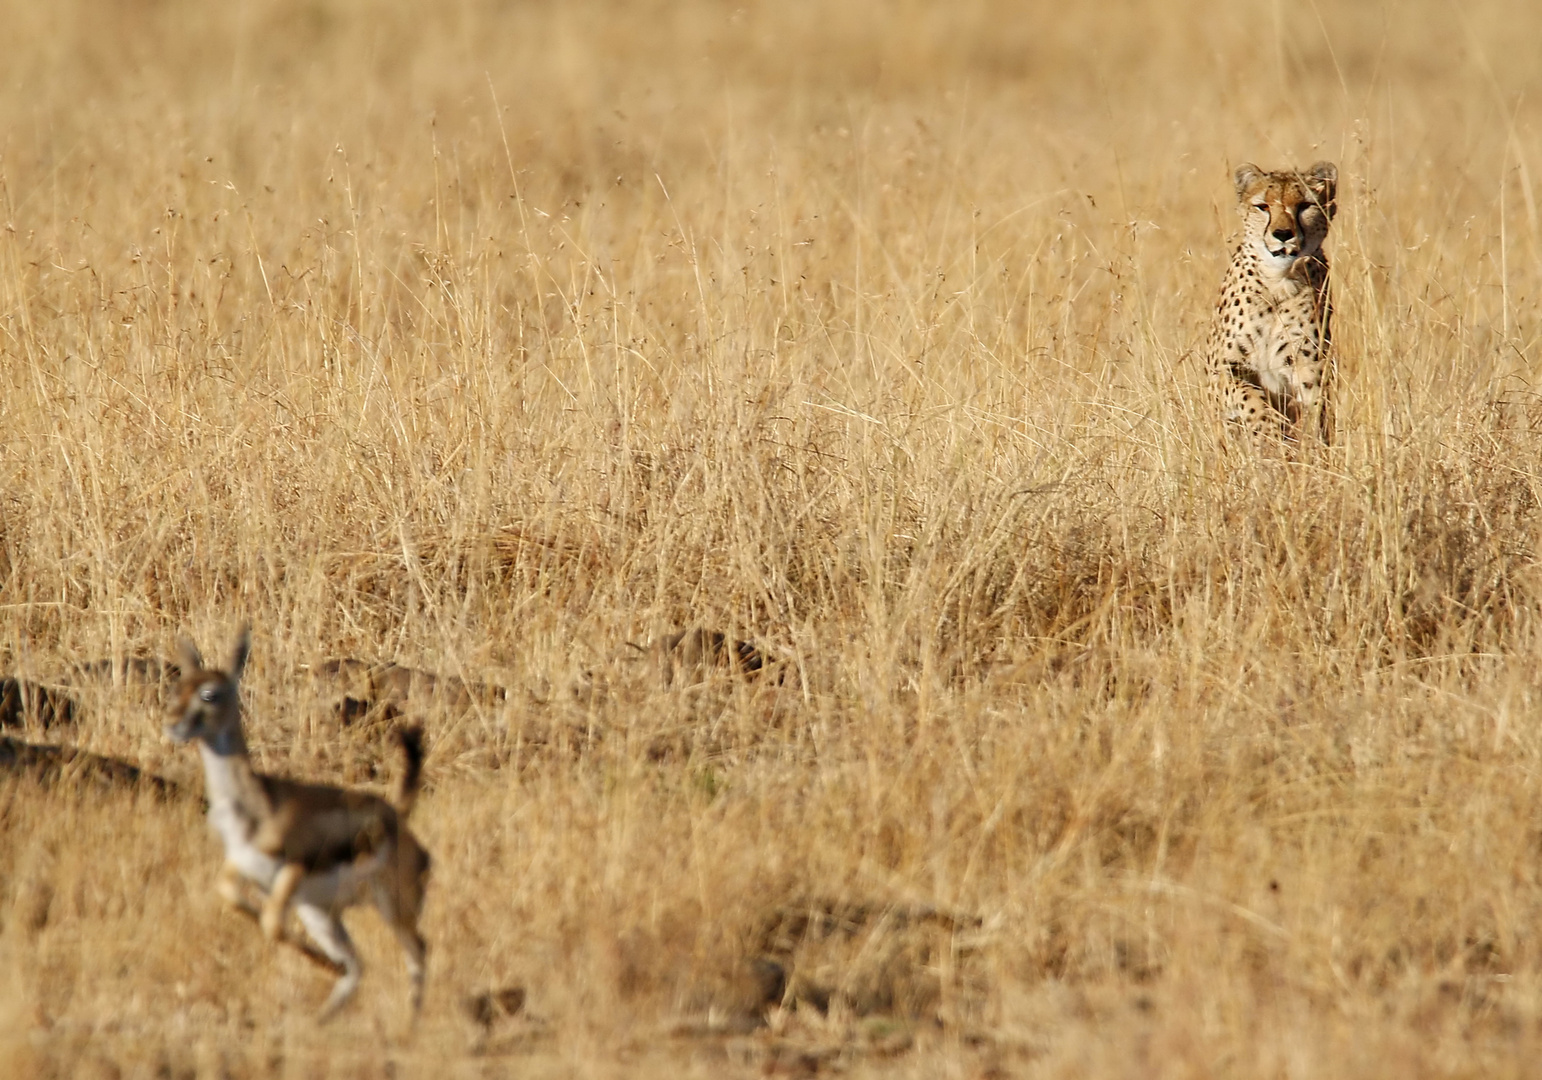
<point x="487" y="337"/>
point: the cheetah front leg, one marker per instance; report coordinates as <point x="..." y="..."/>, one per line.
<point x="1316" y="408"/>
<point x="1249" y="407"/>
<point x="1306" y="405"/>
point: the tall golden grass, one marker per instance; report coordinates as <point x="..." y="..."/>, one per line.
<point x="486" y="337"/>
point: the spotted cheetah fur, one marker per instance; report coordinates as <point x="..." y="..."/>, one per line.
<point x="1268" y="353"/>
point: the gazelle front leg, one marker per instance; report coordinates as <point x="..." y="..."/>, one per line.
<point x="277" y="902"/>
<point x="231" y="885"/>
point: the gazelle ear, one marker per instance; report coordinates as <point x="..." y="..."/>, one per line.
<point x="187" y="655"/>
<point x="1246" y="173"/>
<point x="239" y="654"/>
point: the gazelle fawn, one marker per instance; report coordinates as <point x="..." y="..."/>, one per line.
<point x="321" y="849"/>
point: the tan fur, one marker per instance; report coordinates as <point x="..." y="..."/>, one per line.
<point x="318" y="848"/>
<point x="692" y="656"/>
<point x="682" y="659"/>
<point x="351" y="687"/>
<point x="24" y="704"/>
<point x="127" y="670"/>
<point x="1269" y="350"/>
<point x="59" y="767"/>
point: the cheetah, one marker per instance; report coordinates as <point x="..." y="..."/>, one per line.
<point x="353" y="688"/>
<point x="1268" y="353"/>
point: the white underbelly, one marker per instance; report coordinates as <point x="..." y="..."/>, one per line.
<point x="340" y="886"/>
<point x="334" y="888"/>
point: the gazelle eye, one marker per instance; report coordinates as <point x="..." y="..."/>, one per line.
<point x="209" y="693"/>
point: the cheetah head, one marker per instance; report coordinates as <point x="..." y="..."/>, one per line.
<point x="1286" y="213"/>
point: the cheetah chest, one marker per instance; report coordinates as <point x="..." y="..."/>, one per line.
<point x="1276" y="333"/>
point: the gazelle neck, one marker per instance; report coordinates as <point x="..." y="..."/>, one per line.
<point x="227" y="769"/>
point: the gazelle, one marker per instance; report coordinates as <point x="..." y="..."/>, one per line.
<point x="322" y="849"/>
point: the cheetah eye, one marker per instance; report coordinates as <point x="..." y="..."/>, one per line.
<point x="1261" y="206"/>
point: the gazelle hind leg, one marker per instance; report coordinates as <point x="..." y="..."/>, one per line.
<point x="417" y="958"/>
<point x="403" y="924"/>
<point x="329" y="934"/>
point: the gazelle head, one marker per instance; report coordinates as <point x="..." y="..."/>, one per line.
<point x="206" y="704"/>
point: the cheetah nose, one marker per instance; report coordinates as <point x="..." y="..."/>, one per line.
<point x="1284" y="234"/>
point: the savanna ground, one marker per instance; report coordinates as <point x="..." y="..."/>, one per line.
<point x="486" y="337"/>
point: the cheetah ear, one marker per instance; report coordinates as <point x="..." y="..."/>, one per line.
<point x="1244" y="176"/>
<point x="1323" y="179"/>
